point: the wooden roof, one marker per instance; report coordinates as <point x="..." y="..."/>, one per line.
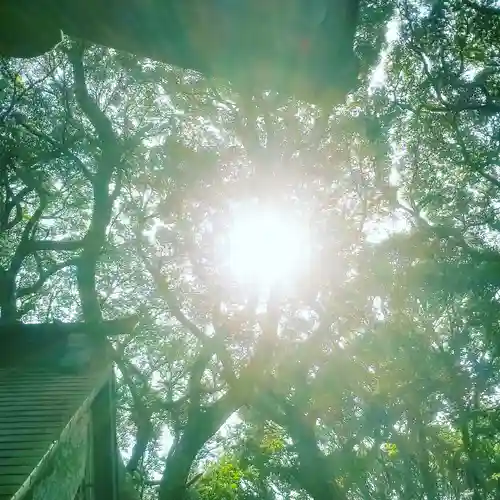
<point x="286" y="45"/>
<point x="35" y="407"/>
<point x="39" y="395"/>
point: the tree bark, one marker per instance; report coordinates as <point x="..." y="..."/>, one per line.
<point x="314" y="472"/>
<point x="201" y="426"/>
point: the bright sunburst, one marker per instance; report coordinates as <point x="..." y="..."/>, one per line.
<point x="267" y="246"/>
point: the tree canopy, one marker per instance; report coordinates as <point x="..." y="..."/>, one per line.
<point x="317" y="287"/>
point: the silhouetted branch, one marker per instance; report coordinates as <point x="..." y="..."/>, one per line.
<point x="59" y="150"/>
<point x="43" y="277"/>
<point x="96" y="116"/>
<point x="486" y="10"/>
<point x="141" y="416"/>
<point x="56" y="245"/>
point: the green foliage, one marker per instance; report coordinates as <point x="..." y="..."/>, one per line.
<point x="223" y="480"/>
<point x="380" y="378"/>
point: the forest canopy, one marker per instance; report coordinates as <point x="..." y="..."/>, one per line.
<point x="318" y="288"/>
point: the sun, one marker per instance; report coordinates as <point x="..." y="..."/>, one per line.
<point x="267" y="246"/>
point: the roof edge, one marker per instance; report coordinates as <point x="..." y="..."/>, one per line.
<point x="39" y="468"/>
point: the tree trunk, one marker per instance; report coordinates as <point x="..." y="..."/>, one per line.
<point x="314" y="474"/>
<point x="201" y="426"/>
<point x="177" y="468"/>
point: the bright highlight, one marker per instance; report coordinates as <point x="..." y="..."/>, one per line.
<point x="267" y="247"/>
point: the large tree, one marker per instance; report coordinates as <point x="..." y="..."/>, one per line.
<point x="370" y="370"/>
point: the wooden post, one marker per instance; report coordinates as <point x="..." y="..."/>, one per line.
<point x="105" y="451"/>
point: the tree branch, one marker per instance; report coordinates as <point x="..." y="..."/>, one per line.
<point x="56" y="246"/>
<point x="213" y="343"/>
<point x="42" y="278"/>
<point x="469" y="160"/>
<point x="103" y="202"/>
<point x="60" y="149"/>
<point x="141" y="415"/>
<point x="97" y="118"/>
<point x="483" y="9"/>
<point x="313" y="473"/>
<point x="23" y="249"/>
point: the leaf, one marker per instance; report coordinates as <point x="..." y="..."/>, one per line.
<point x="391" y="449"/>
<point x="18" y="81"/>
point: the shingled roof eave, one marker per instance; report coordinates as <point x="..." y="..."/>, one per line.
<point x="38" y="470"/>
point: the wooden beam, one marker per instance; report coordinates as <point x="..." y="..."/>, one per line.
<point x="104" y="456"/>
